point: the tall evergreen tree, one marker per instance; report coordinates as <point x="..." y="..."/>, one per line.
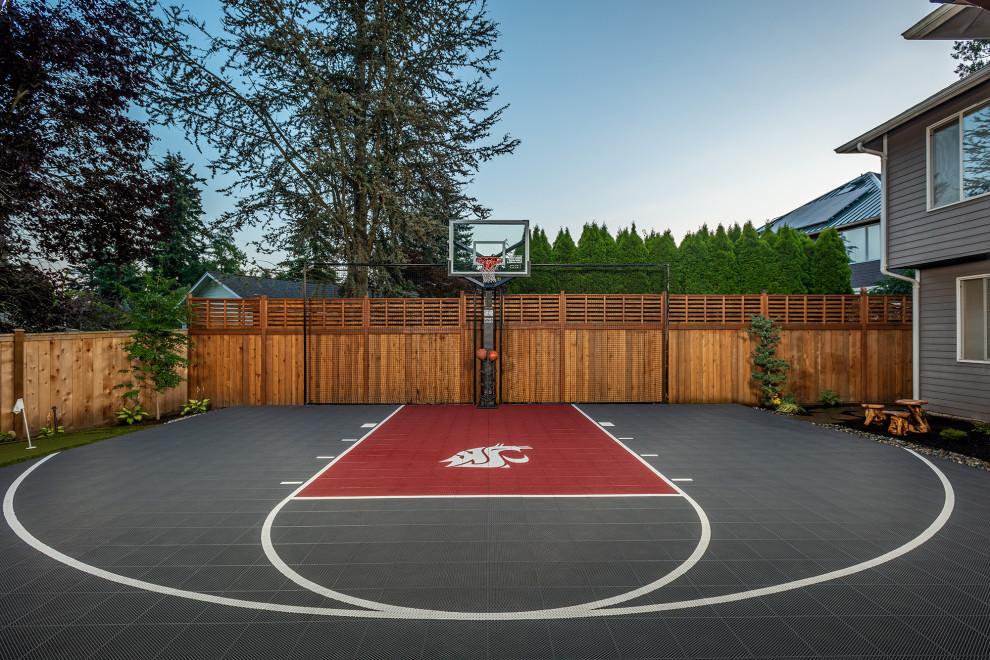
<point x="754" y="258"/>
<point x="611" y="246"/>
<point x="565" y="252"/>
<point x="376" y="114"/>
<point x="181" y="256"/>
<point x="734" y="232"/>
<point x="769" y="235"/>
<point x="662" y="249"/>
<point x="591" y="250"/>
<point x="694" y="258"/>
<point x="790" y="264"/>
<point x="723" y="274"/>
<point x="830" y="264"/>
<point x="542" y="279"/>
<point x="808" y="245"/>
<point x="632" y="250"/>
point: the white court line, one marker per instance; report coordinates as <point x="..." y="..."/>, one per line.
<point x="605" y="423"/>
<point x="369" y="425"/>
<point x="627" y="438"/>
<point x="349" y="440"/>
<point x="388" y="612"/>
<point x="653" y="456"/>
<point x="682" y="479"/>
<point x="289" y="483"/>
<point x="324" y="456"/>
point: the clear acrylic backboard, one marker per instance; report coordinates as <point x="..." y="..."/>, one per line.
<point x="474" y="242"/>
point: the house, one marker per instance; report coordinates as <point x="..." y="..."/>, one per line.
<point x="220" y="285"/>
<point x="955" y="19"/>
<point x="935" y="218"/>
<point x="854" y="210"/>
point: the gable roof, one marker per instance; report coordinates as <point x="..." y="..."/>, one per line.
<point x="852" y="202"/>
<point x="249" y="286"/>
<point x="955" y="19"/>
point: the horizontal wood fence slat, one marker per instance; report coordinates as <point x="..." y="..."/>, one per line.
<point x="73" y="371"/>
<point x="555" y="347"/>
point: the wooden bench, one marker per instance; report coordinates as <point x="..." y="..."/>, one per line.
<point x="874" y="413"/>
<point x="898" y="421"/>
<point x="918" y="423"/>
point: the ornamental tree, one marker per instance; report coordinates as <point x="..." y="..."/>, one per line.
<point x="157" y="350"/>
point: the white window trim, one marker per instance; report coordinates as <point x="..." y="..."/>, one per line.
<point x="929" y="155"/>
<point x="959" y="321"/>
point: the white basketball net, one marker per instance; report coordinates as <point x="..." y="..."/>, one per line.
<point x="488" y="267"/>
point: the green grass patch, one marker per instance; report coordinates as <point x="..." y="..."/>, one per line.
<point x="17" y="452"/>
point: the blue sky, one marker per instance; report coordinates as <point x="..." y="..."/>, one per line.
<point x="673" y="114"/>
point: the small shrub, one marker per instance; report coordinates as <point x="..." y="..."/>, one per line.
<point x="789" y="408"/>
<point x="195" y="407"/>
<point x="981" y="428"/>
<point x="47" y="432"/>
<point x="953" y="434"/>
<point x="789" y="405"/>
<point x="132" y="415"/>
<point x="829" y="398"/>
<point x="7" y="436"/>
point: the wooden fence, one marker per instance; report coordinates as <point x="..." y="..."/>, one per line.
<point x="563" y="347"/>
<point x="73" y="371"/>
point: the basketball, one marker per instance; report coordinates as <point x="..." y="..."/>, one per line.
<point x="492" y="355"/>
<point x="481" y="353"/>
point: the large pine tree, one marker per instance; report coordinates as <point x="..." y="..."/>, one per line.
<point x="370" y="116"/>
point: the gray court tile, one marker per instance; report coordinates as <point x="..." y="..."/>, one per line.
<point x="786" y="502"/>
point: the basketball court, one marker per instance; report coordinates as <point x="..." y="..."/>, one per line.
<point x="541" y="531"/>
<point x="488" y="530"/>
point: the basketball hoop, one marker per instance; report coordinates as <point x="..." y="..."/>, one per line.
<point x="488" y="266"/>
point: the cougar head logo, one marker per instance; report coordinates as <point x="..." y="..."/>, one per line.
<point x="486" y="457"/>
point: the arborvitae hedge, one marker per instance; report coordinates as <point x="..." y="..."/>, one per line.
<point x="728" y="261"/>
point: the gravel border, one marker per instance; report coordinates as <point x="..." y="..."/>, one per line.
<point x="962" y="459"/>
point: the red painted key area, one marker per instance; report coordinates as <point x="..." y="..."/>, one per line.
<point x="406" y="456"/>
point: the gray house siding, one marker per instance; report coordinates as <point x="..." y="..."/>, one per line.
<point x="950" y="386"/>
<point x="918" y="236"/>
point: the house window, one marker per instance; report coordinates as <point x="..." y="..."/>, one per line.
<point x="959" y="157"/>
<point x="862" y="243"/>
<point x="974" y="318"/>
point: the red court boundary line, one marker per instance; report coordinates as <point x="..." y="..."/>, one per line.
<point x="295" y="494"/>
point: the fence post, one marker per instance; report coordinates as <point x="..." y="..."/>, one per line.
<point x="462" y="328"/>
<point x="764" y="304"/>
<point x="562" y="320"/>
<point x="18" y="372"/>
<point x="263" y="352"/>
<point x="366" y="362"/>
<point x="866" y="368"/>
